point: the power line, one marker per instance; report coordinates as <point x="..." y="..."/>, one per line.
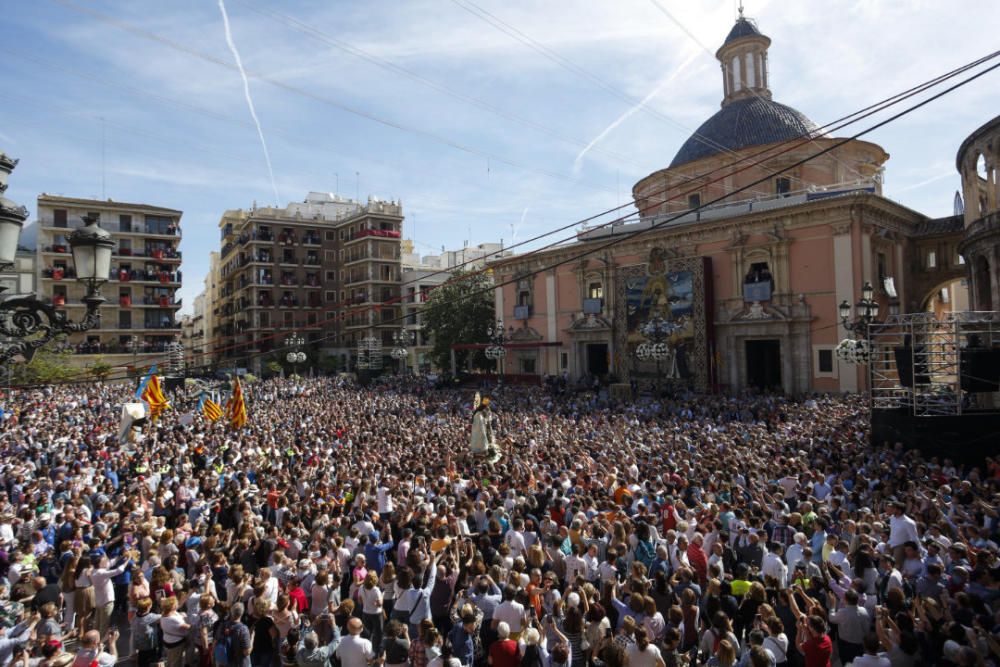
<point x="657" y="225"/>
<point x="389" y="66"/>
<point x="580" y="71"/>
<point x="187" y="139"/>
<point x="868" y="111"/>
<point x="323" y="99"/>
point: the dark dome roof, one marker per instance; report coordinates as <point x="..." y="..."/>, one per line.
<point x="743" y="28"/>
<point x="752" y="121"/>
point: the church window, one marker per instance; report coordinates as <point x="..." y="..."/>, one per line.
<point x="751" y="75"/>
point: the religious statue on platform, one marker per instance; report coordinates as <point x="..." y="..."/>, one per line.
<point x="482" y="441"/>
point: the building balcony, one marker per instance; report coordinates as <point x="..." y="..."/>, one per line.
<point x="379" y="233"/>
<point x="171" y="231"/>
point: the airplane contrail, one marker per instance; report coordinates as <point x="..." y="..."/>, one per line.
<point x="578" y="162"/>
<point x="246" y="93"/>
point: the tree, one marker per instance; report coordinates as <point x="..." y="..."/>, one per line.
<point x="274" y="367"/>
<point x="459" y="312"/>
<point x="100" y="369"/>
<point x="47" y="366"/>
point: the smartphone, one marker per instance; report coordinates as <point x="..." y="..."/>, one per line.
<point x="609" y="633"/>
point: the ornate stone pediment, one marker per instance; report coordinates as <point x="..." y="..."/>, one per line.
<point x="525" y="334"/>
<point x="755" y="312"/>
<point x="590" y="323"/>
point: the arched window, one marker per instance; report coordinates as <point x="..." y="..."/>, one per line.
<point x="751" y="74"/>
<point x="736" y="73"/>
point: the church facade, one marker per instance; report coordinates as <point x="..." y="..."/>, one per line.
<point x="744" y="247"/>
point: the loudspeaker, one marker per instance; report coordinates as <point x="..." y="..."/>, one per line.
<point x="980" y="368"/>
<point x="904" y="366"/>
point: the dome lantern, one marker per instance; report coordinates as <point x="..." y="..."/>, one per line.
<point x="743" y="58"/>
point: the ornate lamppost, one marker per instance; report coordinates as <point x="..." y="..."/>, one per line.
<point x="865" y="313"/>
<point x="25" y="317"/>
<point x="496" y="350"/>
<point x="296" y="356"/>
<point x="402" y="339"/>
<point x="657" y="330"/>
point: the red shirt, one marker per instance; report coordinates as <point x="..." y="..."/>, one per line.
<point x="699" y="562"/>
<point x="818" y="651"/>
<point x="298" y="596"/>
<point x="669" y="522"/>
<point x="505" y="653"/>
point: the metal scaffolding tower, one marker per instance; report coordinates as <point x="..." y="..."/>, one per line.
<point x="935" y="366"/>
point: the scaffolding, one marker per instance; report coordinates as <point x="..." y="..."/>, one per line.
<point x="369" y="354"/>
<point x="935" y="366"/>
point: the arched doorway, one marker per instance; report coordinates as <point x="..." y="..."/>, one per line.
<point x="984" y="295"/>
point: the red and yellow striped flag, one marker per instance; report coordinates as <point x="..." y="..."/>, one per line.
<point x="236" y="407"/>
<point x="153" y="395"/>
<point x="211" y="410"/>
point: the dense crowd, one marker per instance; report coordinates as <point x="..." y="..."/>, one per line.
<point x="349" y="526"/>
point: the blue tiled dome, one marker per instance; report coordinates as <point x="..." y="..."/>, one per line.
<point x="743" y="123"/>
<point x="743" y="28"/>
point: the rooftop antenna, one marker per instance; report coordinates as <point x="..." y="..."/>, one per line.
<point x="336" y="188"/>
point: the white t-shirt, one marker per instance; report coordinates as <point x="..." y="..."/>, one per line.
<point x="371" y="599"/>
<point x="354" y="651"/>
<point x="510" y="612"/>
<point x="648" y="658"/>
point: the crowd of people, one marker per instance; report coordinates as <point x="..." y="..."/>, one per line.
<point x="350" y="526"/>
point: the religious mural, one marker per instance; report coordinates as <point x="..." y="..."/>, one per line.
<point x="673" y="290"/>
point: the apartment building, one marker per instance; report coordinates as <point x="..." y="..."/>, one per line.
<point x="327" y="268"/>
<point x="139" y="316"/>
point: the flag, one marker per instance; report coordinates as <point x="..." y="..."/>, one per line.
<point x="236" y="407"/>
<point x="209" y="408"/>
<point x="151" y="393"/>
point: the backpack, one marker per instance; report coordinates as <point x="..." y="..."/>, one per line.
<point x="223" y="651"/>
<point x="644" y="553"/>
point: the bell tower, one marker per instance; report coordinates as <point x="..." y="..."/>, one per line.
<point x="743" y="57"/>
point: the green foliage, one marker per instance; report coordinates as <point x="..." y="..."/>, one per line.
<point x="100" y="369"/>
<point x="460" y="311"/>
<point x="274" y="367"/>
<point x="47" y="366"/>
<point x="249" y="378"/>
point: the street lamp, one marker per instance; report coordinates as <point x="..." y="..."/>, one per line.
<point x="402" y="339"/>
<point x="866" y="313"/>
<point x="296" y="356"/>
<point x="657" y="330"/>
<point x="496" y="351"/>
<point x="24" y="316"/>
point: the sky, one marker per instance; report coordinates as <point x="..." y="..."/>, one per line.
<point x="490" y="120"/>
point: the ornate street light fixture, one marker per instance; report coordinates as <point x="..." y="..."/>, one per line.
<point x="866" y="313"/>
<point x="24" y="316"/>
<point x="866" y="309"/>
<point x="296" y="356"/>
<point x="496" y="351"/>
<point x="402" y="339"/>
